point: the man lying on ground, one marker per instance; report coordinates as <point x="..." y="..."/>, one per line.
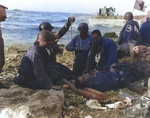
<point x="110" y="78"/>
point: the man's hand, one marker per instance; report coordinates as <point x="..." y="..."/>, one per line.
<point x="71" y="19"/>
<point x="56" y="87"/>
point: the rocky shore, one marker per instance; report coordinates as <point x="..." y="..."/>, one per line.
<point x="73" y="106"/>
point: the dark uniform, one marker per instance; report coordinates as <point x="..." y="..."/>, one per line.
<point x="110" y="78"/>
<point x="144" y="34"/>
<point x="130" y="31"/>
<point x="81" y="48"/>
<point x="106" y="49"/>
<point x="129" y="35"/>
<point x="36" y="72"/>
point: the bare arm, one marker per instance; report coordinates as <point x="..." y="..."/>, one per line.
<point x="85" y="93"/>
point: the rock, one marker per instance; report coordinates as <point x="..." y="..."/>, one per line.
<point x="71" y="107"/>
<point x="147" y="115"/>
<point x="110" y="35"/>
<point x="18" y="102"/>
<point x="9" y="76"/>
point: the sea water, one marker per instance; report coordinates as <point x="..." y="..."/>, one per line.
<point x="22" y="27"/>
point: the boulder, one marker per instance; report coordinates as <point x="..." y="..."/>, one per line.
<point x="110" y="35"/>
<point x="18" y="102"/>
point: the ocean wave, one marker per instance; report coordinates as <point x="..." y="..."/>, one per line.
<point x="22" y="26"/>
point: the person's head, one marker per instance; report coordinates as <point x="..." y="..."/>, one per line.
<point x="45" y="26"/>
<point x="83" y="29"/>
<point x="128" y="16"/>
<point x="45" y="38"/>
<point x="148" y="16"/>
<point x="96" y="35"/>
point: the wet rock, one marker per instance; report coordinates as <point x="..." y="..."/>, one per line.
<point x="110" y="35"/>
<point x="18" y="102"/>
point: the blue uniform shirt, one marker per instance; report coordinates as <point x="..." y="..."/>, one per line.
<point x="107" y="51"/>
<point x="80" y="46"/>
<point x="33" y="68"/>
<point x="145" y="34"/>
<point x="130" y="31"/>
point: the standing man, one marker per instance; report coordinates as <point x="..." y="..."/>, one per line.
<point x="129" y="33"/>
<point x="81" y="45"/>
<point x="2" y="18"/>
<point x="103" y="47"/>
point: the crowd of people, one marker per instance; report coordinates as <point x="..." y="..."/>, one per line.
<point x="40" y="70"/>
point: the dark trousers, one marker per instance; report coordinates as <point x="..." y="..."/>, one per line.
<point x="58" y="71"/>
<point x="79" y="66"/>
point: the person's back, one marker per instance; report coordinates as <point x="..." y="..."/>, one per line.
<point x="129" y="35"/>
<point x="130" y="30"/>
<point x="145" y="32"/>
<point x="32" y="67"/>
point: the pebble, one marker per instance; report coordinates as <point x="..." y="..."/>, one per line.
<point x="71" y="107"/>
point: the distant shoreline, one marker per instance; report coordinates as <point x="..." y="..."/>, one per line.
<point x="111" y="20"/>
<point x="136" y="17"/>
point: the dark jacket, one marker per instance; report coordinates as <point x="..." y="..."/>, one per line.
<point x="130" y="31"/>
<point x="110" y="78"/>
<point x="80" y="46"/>
<point x="144" y="34"/>
<point x="106" y="49"/>
<point x="32" y="71"/>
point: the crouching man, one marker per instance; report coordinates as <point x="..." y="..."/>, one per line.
<point x="34" y="71"/>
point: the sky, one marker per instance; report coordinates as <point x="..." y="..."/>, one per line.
<point x="75" y="6"/>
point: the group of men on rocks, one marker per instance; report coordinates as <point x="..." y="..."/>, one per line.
<point x="40" y="70"/>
